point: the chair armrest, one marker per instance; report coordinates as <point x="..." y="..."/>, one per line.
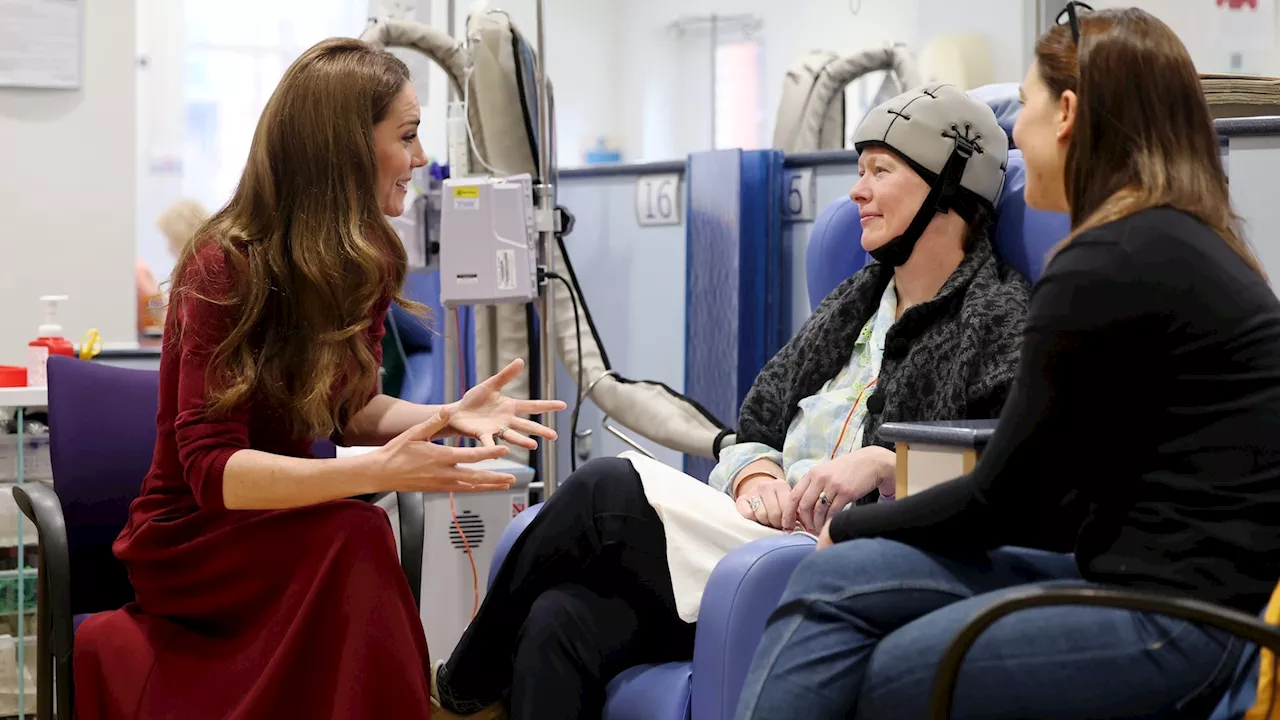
<point x="967" y="434"/>
<point x="413" y="522"/>
<point x="741" y="593"/>
<point x="41" y="505"/>
<point x="1224" y="618"/>
<point x="508" y="538"/>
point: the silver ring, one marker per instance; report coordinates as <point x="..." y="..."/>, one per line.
<point x="755" y="503"/>
<point x="502" y="431"/>
<point x="823" y="499"/>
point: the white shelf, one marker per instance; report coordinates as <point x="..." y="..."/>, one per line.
<point x="24" y="396"/>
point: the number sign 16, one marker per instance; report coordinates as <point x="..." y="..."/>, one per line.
<point x="658" y="199"/>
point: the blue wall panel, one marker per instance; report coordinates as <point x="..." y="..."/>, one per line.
<point x="738" y="307"/>
<point x="714" y="226"/>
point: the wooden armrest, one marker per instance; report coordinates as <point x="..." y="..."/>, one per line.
<point x="941" y="450"/>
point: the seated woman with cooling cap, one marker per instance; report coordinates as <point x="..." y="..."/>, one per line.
<point x="611" y="572"/>
<point x="1140" y="447"/>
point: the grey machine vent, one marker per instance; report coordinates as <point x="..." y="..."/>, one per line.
<point x="472" y="526"/>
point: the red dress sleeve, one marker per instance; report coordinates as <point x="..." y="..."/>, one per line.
<point x="205" y="441"/>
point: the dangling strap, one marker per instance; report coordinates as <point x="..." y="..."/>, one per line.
<point x="897" y="251"/>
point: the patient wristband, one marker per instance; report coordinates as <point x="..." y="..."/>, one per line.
<point x="759" y="473"/>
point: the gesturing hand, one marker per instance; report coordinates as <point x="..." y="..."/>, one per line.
<point x="415" y="464"/>
<point x="828" y="487"/>
<point x="486" y="414"/>
<point x="767" y="500"/>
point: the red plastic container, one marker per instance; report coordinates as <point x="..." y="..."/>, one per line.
<point x="11" y="376"/>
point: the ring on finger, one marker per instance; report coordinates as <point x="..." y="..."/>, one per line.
<point x="501" y="431"/>
<point x="823" y="499"/>
<point x="755" y="503"/>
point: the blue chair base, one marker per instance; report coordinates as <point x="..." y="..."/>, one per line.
<point x="740" y="595"/>
<point x="651" y="692"/>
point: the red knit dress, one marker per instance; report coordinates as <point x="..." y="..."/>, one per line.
<point x="300" y="613"/>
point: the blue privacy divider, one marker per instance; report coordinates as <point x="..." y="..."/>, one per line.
<point x="738" y="270"/>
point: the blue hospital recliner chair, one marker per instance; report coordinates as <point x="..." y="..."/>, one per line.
<point x="422" y="342"/>
<point x="746" y="586"/>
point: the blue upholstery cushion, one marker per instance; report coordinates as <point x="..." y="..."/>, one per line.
<point x="741" y="593"/>
<point x="650" y="692"/>
<point x="1023" y="237"/>
<point x="1002" y="98"/>
<point x="835" y="249"/>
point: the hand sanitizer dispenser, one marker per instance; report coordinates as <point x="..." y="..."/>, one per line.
<point x="49" y="342"/>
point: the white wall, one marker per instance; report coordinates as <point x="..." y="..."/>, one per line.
<point x="67" y="192"/>
<point x="665" y="80"/>
<point x="1002" y="23"/>
<point x="161" y="125"/>
<point x="1197" y="25"/>
<point x="583" y="40"/>
<point x="619" y="72"/>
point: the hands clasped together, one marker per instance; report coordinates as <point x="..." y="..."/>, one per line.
<point x="824" y="490"/>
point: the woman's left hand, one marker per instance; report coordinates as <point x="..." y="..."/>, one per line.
<point x="486" y="414"/>
<point x="828" y="487"/>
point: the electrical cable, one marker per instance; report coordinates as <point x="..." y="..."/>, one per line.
<point x="580" y="394"/>
<point x="604" y="355"/>
<point x="586" y="309"/>
<point x="531" y="320"/>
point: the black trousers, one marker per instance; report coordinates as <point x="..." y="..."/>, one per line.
<point x="584" y="594"/>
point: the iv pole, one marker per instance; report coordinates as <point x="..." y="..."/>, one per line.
<point x="546" y="304"/>
<point x="545" y="213"/>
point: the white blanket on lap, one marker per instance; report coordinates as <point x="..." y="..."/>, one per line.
<point x="702" y="526"/>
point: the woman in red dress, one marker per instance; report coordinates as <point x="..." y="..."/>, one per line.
<point x="261" y="592"/>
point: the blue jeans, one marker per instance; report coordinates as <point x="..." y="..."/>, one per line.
<point x="863" y="625"/>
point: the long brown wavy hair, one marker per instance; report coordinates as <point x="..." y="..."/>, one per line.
<point x="308" y="252"/>
<point x="1143" y="134"/>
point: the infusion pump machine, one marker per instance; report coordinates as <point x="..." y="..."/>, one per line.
<point x="488" y="241"/>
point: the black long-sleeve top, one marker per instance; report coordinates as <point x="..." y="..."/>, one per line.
<point x="1143" y="429"/>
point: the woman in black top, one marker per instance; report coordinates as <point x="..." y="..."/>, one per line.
<point x="1142" y="433"/>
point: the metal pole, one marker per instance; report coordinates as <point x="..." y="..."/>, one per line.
<point x="452" y="19"/>
<point x="546" y="203"/>
<point x="22" y="596"/>
<point x="544" y="124"/>
<point x="451" y="368"/>
<point x="715" y="42"/>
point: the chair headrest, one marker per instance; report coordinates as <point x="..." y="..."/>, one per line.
<point x="1022" y="237"/>
<point x="835" y="249"/>
<point x="1002" y="98"/>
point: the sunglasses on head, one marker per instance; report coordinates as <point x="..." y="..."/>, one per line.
<point x="1070" y="15"/>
